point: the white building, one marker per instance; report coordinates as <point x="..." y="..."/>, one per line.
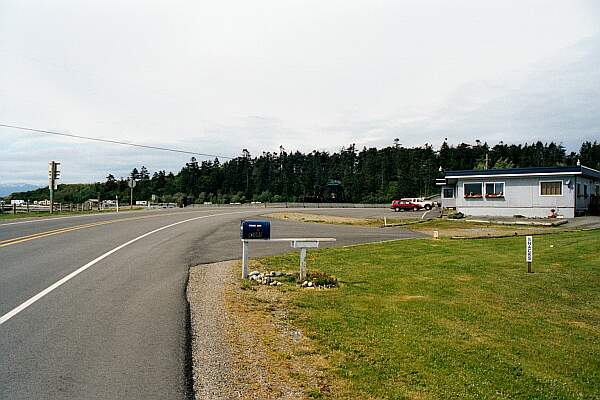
<point x="529" y="192"/>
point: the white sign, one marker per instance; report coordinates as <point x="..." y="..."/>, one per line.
<point x="529" y="249"/>
<point x="298" y="244"/>
<point x="132" y="183"/>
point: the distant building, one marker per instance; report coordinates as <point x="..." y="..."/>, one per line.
<point x="530" y="192"/>
<point x="17" y="202"/>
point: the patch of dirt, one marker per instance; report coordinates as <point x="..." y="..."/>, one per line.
<point x="407" y="297"/>
<point x="323" y="219"/>
<point x="244" y="344"/>
<point x="478" y="231"/>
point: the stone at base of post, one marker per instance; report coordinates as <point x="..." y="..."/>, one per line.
<point x="244" y="259"/>
<point x="302" y="264"/>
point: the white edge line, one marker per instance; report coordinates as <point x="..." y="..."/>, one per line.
<point x="73" y="274"/>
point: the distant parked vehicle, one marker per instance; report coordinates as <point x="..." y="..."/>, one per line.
<point x="403" y="205"/>
<point x="420" y="201"/>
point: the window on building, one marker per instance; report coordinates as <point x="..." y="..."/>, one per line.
<point x="473" y="189"/>
<point x="579" y="189"/>
<point x="448" y="193"/>
<point x="494" y="189"/>
<point x="585" y="191"/>
<point x="551" y="188"/>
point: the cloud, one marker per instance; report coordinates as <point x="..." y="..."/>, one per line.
<point x="554" y="100"/>
<point x="219" y="77"/>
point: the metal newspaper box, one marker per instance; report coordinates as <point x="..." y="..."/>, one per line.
<point x="255" y="230"/>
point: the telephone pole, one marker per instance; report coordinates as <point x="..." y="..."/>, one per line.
<point x="53" y="176"/>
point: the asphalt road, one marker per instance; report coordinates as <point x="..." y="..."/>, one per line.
<point x="115" y="326"/>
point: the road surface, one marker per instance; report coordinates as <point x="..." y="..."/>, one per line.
<point x="93" y="307"/>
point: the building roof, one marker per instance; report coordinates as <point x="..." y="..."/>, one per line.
<point x="530" y="171"/>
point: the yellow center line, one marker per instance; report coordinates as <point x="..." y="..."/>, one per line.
<point x="39" y="235"/>
<point x="54" y="231"/>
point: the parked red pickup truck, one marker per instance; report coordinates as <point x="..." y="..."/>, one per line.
<point x="402" y="205"/>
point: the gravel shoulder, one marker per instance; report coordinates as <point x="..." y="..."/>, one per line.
<point x="212" y="372"/>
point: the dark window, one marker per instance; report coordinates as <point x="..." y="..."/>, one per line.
<point x="448" y="193"/>
<point x="553" y="188"/>
<point x="473" y="189"/>
<point x="494" y="189"/>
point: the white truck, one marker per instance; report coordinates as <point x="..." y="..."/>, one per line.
<point x="420" y="201"/>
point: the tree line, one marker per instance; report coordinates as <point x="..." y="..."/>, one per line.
<point x="369" y="175"/>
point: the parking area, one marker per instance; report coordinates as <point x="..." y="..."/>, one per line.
<point x="587" y="222"/>
<point x="378" y="213"/>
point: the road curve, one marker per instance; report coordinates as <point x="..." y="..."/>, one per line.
<point x="118" y="327"/>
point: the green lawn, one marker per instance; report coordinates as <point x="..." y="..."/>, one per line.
<point x="458" y="318"/>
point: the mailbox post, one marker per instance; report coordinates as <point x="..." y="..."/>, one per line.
<point x="244" y="259"/>
<point x="257" y="231"/>
<point x="304" y="244"/>
<point x="252" y="230"/>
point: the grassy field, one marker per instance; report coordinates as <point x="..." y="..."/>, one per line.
<point x="445" y="227"/>
<point x="439" y="319"/>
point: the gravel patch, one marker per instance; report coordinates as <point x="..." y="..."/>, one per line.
<point x="213" y="373"/>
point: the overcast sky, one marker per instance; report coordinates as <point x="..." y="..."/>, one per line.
<point x="216" y="77"/>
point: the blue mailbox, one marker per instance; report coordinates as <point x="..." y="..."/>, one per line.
<point x="255" y="230"/>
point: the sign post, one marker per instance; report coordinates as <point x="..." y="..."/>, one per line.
<point x="131" y="185"/>
<point x="529" y="252"/>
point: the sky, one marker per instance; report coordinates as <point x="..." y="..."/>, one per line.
<point x="217" y="77"/>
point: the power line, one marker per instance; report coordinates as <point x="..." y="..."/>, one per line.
<point x="113" y="141"/>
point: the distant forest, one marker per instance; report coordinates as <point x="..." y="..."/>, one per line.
<point x="369" y="175"/>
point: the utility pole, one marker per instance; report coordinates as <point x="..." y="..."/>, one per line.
<point x="487" y="160"/>
<point x="53" y="176"/>
<point x="246" y="155"/>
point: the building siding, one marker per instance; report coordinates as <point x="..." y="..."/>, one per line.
<point x="521" y="197"/>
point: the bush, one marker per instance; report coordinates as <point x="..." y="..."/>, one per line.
<point x="319" y="278"/>
<point x="456" y="215"/>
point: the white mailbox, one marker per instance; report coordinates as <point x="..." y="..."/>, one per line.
<point x="306" y="244"/>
